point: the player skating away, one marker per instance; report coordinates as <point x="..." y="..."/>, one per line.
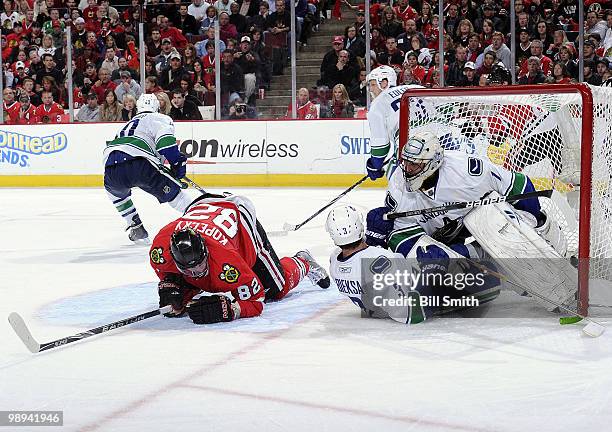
<point x="133" y="159"/>
<point x="383" y="117"/>
<point x="353" y="259"/>
<point x="218" y="246"/>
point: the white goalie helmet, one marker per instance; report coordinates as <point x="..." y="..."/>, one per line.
<point x="421" y="157"/>
<point x="147" y="102"/>
<point x="345" y="225"/>
<point x="383" y="73"/>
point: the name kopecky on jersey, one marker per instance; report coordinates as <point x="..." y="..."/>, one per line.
<point x="205" y="229"/>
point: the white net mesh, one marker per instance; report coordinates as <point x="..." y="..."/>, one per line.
<point x="539" y="135"/>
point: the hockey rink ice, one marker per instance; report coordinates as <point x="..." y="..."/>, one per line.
<point x="310" y="363"/>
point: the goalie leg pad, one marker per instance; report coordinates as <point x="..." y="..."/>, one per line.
<point x="522" y="255"/>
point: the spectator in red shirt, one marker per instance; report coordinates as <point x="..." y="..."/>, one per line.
<point x="11" y="106"/>
<point x="404" y="11"/>
<point x="27" y="111"/>
<point x="104" y="83"/>
<point x="91" y="11"/>
<point x="48" y="111"/>
<point x="536" y="51"/>
<point x="487" y="64"/>
<point x="473" y="49"/>
<point x="561" y="74"/>
<point x="167" y="31"/>
<point x="306" y="110"/>
<point x="227" y="30"/>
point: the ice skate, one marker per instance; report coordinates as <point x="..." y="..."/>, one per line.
<point x="317" y="274"/>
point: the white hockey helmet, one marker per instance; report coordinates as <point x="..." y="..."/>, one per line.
<point x="345" y="225"/>
<point x="420" y="158"/>
<point x="381" y="73"/>
<point x="147" y="102"/>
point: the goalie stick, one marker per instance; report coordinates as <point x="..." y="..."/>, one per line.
<point x="593" y="328"/>
<point x="468" y="204"/>
<point x="22" y="330"/>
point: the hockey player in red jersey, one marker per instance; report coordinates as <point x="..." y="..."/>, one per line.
<point x="219" y="247"/>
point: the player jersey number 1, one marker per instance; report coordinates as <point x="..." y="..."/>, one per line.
<point x="224" y="218"/>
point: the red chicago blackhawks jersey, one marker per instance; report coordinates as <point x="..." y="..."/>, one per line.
<point x="52" y="114"/>
<point x="231" y="251"/>
<point x="28" y="116"/>
<point x="12" y="111"/>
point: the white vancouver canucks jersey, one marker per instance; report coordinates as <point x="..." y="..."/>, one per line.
<point x="461" y="178"/>
<point x="144" y="136"/>
<point x="383" y="118"/>
<point x="349" y="277"/>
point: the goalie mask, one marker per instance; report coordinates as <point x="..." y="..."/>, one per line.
<point x="344" y="225"/>
<point x="421" y="157"/>
<point x="380" y="74"/>
<point x="189" y="253"/>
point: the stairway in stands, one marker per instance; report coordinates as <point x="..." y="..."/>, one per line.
<point x="308" y="62"/>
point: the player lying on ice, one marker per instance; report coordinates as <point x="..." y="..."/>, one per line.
<point x="219" y="247"/>
<point x="354" y="258"/>
<point x="429" y="177"/>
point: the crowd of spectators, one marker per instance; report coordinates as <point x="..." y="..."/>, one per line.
<point x="476" y="43"/>
<point x="180" y="52"/>
<point x="179" y="55"/>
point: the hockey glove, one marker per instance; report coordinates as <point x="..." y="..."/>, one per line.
<point x="377" y="229"/>
<point x="171" y="293"/>
<point x="211" y="309"/>
<point x="433" y="259"/>
<point x="179" y="169"/>
<point x="375" y="168"/>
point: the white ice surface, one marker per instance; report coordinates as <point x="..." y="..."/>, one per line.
<point x="308" y="364"/>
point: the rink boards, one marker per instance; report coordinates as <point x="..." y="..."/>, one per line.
<point x="224" y="153"/>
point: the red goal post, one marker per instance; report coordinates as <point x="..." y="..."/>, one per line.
<point x="586" y="150"/>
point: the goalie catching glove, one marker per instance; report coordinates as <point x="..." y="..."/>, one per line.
<point x="213" y="309"/>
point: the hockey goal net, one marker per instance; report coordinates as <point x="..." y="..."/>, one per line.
<point x="559" y="135"/>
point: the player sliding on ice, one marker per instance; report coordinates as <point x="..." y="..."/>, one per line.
<point x="431" y="177"/>
<point x="133" y="159"/>
<point x="354" y="258"/>
<point x="218" y="246"/>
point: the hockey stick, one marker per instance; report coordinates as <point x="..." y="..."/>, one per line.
<point x="183" y="184"/>
<point x="22" y="330"/>
<point x="289" y="227"/>
<point x="593" y="328"/>
<point x="469" y="204"/>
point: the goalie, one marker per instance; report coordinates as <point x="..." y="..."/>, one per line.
<point x="430" y="177"/>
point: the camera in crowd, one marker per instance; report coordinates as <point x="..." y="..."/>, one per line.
<point x="241" y="108"/>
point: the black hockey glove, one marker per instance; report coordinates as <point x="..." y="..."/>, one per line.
<point x="211" y="309"/>
<point x="171" y="292"/>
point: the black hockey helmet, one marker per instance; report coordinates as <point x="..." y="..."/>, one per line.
<point x="189" y="253"/>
